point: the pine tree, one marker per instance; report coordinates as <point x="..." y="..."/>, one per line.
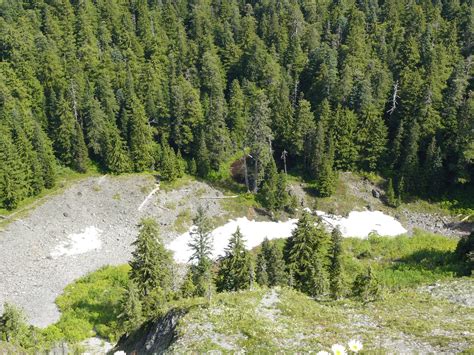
<point x="304" y="127"/>
<point x="203" y="164"/>
<point x="275" y="265"/>
<point x="131" y="316"/>
<point x="201" y="245"/>
<point x="327" y="177"/>
<point x="188" y="289"/>
<point x="308" y="256"/>
<point x="410" y="167"/>
<point x="261" y="270"/>
<point x="366" y="286"/>
<point x="282" y="197"/>
<point x="345" y="139"/>
<point x="433" y="169"/>
<point x="234" y="270"/>
<point x="150" y="264"/>
<point x="168" y="163"/>
<point x="390" y="194"/>
<point x="268" y="192"/>
<point x="335" y="270"/>
<point x="236" y="115"/>
<point x="259" y="136"/>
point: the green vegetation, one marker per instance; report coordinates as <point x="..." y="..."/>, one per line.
<point x="183" y="221"/>
<point x="144" y="86"/>
<point x="91" y="304"/>
<point x="296" y="323"/>
<point x="100" y="303"/>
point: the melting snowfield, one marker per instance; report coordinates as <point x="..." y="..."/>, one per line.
<point x="79" y="243"/>
<point x="357" y="224"/>
<point x="361" y="224"/>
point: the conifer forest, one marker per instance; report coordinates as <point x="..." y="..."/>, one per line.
<point x="182" y="85"/>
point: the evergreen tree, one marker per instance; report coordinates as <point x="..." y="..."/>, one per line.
<point x="282" y="197"/>
<point x="268" y="191"/>
<point x="131" y="316"/>
<point x="304" y="127"/>
<point x="188" y="289"/>
<point x="433" y="169"/>
<point x="308" y="256"/>
<point x="150" y="264"/>
<point x="261" y="270"/>
<point x="203" y="164"/>
<point x="236" y="115"/>
<point x="327" y="177"/>
<point x="168" y="163"/>
<point x="390" y="194"/>
<point x="201" y="245"/>
<point x="345" y="139"/>
<point x="275" y="265"/>
<point x="335" y="269"/>
<point x="234" y="270"/>
<point x="259" y="136"/>
<point x="366" y="286"/>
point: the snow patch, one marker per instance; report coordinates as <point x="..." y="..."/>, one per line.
<point x="254" y="233"/>
<point x="79" y="243"/>
<point x="356" y="224"/>
<point x="361" y="224"/>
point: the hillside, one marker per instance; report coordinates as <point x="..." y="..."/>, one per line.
<point x="236" y="175"/>
<point x="281" y="319"/>
<point x="320" y="86"/>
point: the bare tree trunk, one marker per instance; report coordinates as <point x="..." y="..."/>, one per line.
<point x="255" y="182"/>
<point x="246" y="174"/>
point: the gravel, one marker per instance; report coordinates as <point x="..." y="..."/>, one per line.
<point x="32" y="278"/>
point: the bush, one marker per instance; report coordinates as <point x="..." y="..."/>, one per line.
<point x="465" y="250"/>
<point x="13" y="326"/>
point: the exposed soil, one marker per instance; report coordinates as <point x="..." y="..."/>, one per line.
<point x="32" y="278"/>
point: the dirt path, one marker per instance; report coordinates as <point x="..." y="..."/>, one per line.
<point x="267" y="307"/>
<point x="32" y="278"/>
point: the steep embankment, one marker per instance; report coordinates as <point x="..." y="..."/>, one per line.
<point x="89" y="225"/>
<point x="282" y="319"/>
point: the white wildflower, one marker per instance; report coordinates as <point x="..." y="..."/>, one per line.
<point x="355" y="345"/>
<point x="322" y="352"/>
<point x="338" y="349"/>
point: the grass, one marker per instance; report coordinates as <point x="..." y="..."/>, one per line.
<point x="90" y="306"/>
<point x="341" y="202"/>
<point x="183" y="221"/>
<point x="404" y="261"/>
<point x="300" y="324"/>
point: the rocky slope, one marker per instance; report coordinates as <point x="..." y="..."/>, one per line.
<point x="38" y="256"/>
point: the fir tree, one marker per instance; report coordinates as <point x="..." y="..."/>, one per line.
<point x="188" y="289"/>
<point x="261" y="270"/>
<point x="390" y="194"/>
<point x="275" y="265"/>
<point x="308" y="256"/>
<point x="268" y="191"/>
<point x="203" y="164"/>
<point x="131" y="316"/>
<point x="234" y="270"/>
<point x="201" y="245"/>
<point x="259" y="136"/>
<point x="150" y="264"/>
<point x="335" y="269"/>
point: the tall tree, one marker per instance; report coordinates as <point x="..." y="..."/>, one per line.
<point x="259" y="136"/>
<point x="234" y="269"/>
<point x="151" y="263"/>
<point x="201" y="246"/>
